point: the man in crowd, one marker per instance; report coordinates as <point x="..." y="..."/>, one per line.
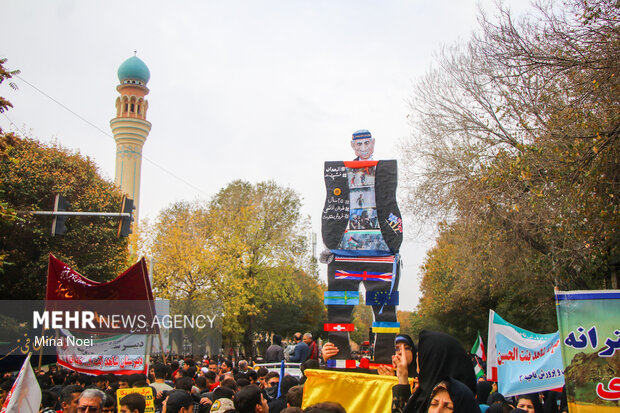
<point x="275" y="352"/>
<point x="278" y="404"/>
<point x="243" y="366"/>
<point x="225" y="367"/>
<point x="159" y="371"/>
<point x="250" y="400"/>
<point x="69" y="396"/>
<point x="314" y="349"/>
<point x="90" y="401"/>
<point x="179" y="401"/>
<point x="302" y="351"/>
<point x="133" y="403"/>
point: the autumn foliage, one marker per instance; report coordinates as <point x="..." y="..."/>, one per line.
<point x="516" y="155"/>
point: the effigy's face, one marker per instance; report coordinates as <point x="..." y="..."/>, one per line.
<point x="363" y="148"/>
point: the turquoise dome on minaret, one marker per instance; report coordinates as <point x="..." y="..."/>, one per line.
<point x="134" y="69"/>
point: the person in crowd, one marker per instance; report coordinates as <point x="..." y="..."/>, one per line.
<point x="201" y="384"/>
<point x="223" y="393"/>
<point x="530" y="403"/>
<point x="483" y="390"/>
<point x="132" y="403"/>
<point x="275" y="352"/>
<point x="495" y="397"/>
<point x="250" y="400"/>
<point x="325" y="407"/>
<point x="439" y="356"/>
<point x="179" y="401"/>
<point x="101" y="382"/>
<point x="223" y="405"/>
<point x="279" y="403"/>
<point x="500" y="407"/>
<point x="272" y="380"/>
<point x="314" y="348"/>
<point x="292" y="409"/>
<point x="160" y="371"/>
<point x="186" y="384"/>
<point x="225" y="367"/>
<point x="242" y="382"/>
<point x="294" y="396"/>
<point x="213" y="367"/>
<point x="302" y="351"/>
<point x="262" y="375"/>
<point x="404" y="345"/>
<point x="109" y="403"/>
<point x="211" y="378"/>
<point x="48" y="402"/>
<point x="252" y="375"/>
<point x="452" y="396"/>
<point x="123" y="382"/>
<point x="308" y="364"/>
<point x="90" y="401"/>
<point x="69" y="396"/>
<point x="243" y="366"/>
<point x="85" y="380"/>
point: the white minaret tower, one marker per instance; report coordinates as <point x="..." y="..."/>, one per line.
<point x="130" y="127"/>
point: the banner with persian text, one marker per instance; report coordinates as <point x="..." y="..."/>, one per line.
<point x="498" y="325"/>
<point x="589" y="324"/>
<point x="525" y="368"/>
<point x="122" y="354"/>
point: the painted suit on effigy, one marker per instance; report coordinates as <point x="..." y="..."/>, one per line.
<point x="362" y="227"/>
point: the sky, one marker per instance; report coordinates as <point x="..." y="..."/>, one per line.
<point x="255" y="90"/>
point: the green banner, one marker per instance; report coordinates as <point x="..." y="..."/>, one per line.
<point x="589" y="323"/>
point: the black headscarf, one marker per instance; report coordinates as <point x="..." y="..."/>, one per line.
<point x="533" y="397"/>
<point x="483" y="390"/>
<point x="404" y="338"/>
<point x="439" y="356"/>
<point x="494" y="398"/>
<point x="462" y="397"/>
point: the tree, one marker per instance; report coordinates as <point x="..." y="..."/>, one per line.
<point x="30" y="176"/>
<point x="7" y="214"/>
<point x="516" y="151"/>
<point x="245" y="248"/>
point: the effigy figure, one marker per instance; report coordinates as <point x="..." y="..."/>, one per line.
<point x="362" y="229"/>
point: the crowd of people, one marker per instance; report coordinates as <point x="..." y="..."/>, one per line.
<point x="440" y="369"/>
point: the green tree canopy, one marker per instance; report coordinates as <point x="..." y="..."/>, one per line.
<point x="30" y="175"/>
<point x="247" y="248"/>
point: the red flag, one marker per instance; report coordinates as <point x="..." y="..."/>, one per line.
<point x="63" y="283"/>
<point x="338" y="327"/>
<point x="131" y="291"/>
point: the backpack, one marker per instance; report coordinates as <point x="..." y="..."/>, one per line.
<point x="289" y="351"/>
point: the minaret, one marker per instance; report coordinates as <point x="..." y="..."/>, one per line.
<point x="130" y="127"/>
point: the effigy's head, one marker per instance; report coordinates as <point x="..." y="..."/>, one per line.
<point x="363" y="144"/>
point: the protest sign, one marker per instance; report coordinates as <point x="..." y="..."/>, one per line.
<point x="122" y="354"/>
<point x="499" y="325"/>
<point x="147" y="392"/>
<point x="529" y="368"/>
<point x="589" y="324"/>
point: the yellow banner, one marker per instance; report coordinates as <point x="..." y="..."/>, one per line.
<point x="147" y="392"/>
<point x="356" y="392"/>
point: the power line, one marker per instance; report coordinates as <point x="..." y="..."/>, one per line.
<point x="107" y="134"/>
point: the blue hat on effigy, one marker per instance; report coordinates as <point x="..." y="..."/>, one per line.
<point x="361" y="134"/>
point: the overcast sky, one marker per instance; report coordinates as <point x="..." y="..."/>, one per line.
<point x="255" y="90"/>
